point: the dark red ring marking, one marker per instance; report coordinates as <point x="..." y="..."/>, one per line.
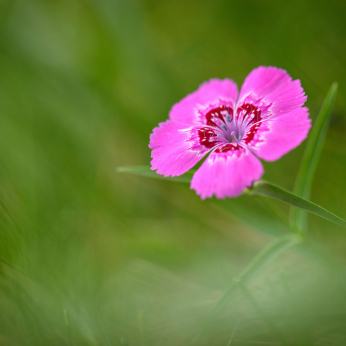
<point x="250" y="109"/>
<point x="206" y="135"/>
<point x="228" y="147"/>
<point x="215" y="115"/>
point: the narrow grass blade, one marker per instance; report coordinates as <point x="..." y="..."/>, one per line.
<point x="263" y="188"/>
<point x="264" y="257"/>
<point x="147" y="172"/>
<point x="298" y="218"/>
<point x="271" y="323"/>
<point x="260" y="188"/>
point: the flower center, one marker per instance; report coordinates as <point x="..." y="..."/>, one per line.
<point x="225" y="127"/>
<point x="221" y="120"/>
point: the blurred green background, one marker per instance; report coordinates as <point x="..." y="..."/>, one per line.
<point x="92" y="257"/>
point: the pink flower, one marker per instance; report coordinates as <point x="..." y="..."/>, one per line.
<point x="266" y="120"/>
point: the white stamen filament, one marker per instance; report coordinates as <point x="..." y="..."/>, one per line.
<point x="233" y="136"/>
<point x="234" y="127"/>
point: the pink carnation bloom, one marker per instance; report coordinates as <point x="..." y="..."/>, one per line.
<point x="265" y="121"/>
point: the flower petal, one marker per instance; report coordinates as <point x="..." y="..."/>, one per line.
<point x="211" y="92"/>
<point x="273" y="91"/>
<point x="177" y="148"/>
<point x="276" y="137"/>
<point x="226" y="174"/>
<point x="281" y="123"/>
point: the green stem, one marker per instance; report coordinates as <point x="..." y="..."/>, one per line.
<point x="262" y="313"/>
<point x="265" y="256"/>
<point x="313" y="150"/>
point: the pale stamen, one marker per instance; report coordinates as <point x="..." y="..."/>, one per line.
<point x="234" y="138"/>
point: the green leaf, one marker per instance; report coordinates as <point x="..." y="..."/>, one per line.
<point x="263" y="188"/>
<point x="298" y="218"/>
<point x="259" y="188"/>
<point x="147" y="172"/>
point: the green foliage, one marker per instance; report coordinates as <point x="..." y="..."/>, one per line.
<point x="312" y="155"/>
<point x="259" y="188"/>
<point x="92" y="257"/>
<point x="263" y="188"/>
<point x="147" y="172"/>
